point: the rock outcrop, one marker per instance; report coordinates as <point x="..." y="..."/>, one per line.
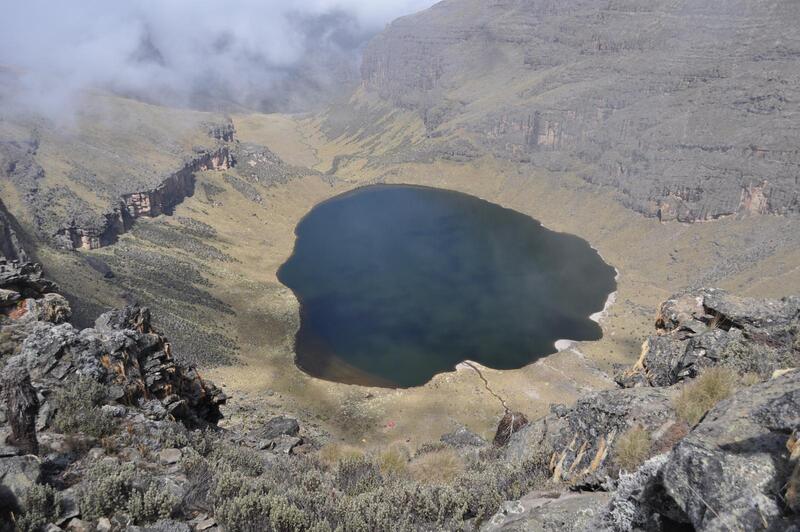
<point x="682" y="108"/>
<point x="710" y="327"/>
<point x="731" y="472"/>
<point x="127" y="355"/>
<point x="154" y="202"/>
<point x="582" y="438"/>
<point x="568" y="512"/>
<point x="11" y="247"/>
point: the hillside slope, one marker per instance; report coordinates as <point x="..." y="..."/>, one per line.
<point x="688" y="108"/>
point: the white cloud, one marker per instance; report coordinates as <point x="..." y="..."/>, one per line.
<point x="176" y="50"/>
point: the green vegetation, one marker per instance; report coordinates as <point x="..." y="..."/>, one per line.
<point x="701" y="394"/>
<point x="78" y="408"/>
<point x="107" y="489"/>
<point x="111" y="488"/>
<point x="357" y="492"/>
<point x="42" y="505"/>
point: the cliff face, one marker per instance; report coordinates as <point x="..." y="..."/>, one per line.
<point x="160" y="200"/>
<point x="10" y="246"/>
<point x="686" y="108"/>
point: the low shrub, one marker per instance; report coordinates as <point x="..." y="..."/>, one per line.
<point x="42" y="505"/>
<point x="151" y="504"/>
<point x="241" y="459"/>
<point x="357" y="474"/>
<point x="107" y="489"/>
<point x="78" y="408"/>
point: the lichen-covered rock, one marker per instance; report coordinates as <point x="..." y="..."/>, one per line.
<point x="278" y="426"/>
<point x="26" y="279"/>
<point x="710" y="327"/>
<point x="123" y="352"/>
<point x="22" y="405"/>
<point x="732" y="471"/>
<point x="463" y="437"/>
<point x="53" y="308"/>
<point x="17" y="474"/>
<point x="582" y="439"/>
<point x="8" y="297"/>
<point x="547" y="511"/>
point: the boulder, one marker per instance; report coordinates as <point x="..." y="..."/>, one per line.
<point x="582" y="439"/>
<point x="169" y="456"/>
<point x="17" y="474"/>
<point x="25" y="278"/>
<point x="8" y="297"/>
<point x="734" y="470"/>
<point x="710" y="327"/>
<point x="279" y="425"/>
<point x="547" y="511"/>
<point x="463" y="438"/>
<point x="510" y="424"/>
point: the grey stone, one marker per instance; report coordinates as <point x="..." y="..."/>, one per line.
<point x="540" y="511"/>
<point x="279" y="425"/>
<point x="284" y="444"/>
<point x="463" y="437"/>
<point x="205" y="524"/>
<point x="582" y="438"/>
<point x="709" y="327"/>
<point x="169" y="456"/>
<point x="78" y="525"/>
<point x="17" y="474"/>
<point x="8" y="297"/>
<point x="732" y="470"/>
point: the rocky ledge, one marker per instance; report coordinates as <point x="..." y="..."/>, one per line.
<point x="702" y="433"/>
<point x="160" y="200"/>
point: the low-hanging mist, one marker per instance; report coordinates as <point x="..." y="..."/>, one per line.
<point x="257" y="54"/>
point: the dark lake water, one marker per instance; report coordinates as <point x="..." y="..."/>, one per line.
<point x="399" y="283"/>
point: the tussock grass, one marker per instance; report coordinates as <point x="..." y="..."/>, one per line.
<point x="393" y="461"/>
<point x="700" y="395"/>
<point x="632" y="448"/>
<point x="437" y="467"/>
<point x="333" y="453"/>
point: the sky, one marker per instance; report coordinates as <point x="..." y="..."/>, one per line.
<point x="252" y="53"/>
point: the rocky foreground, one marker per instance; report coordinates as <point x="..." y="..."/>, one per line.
<point x="103" y="430"/>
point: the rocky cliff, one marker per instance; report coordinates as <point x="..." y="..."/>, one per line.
<point x="685" y="108"/>
<point x="154" y="202"/>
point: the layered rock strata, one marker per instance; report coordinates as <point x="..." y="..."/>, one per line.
<point x="153" y="202"/>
